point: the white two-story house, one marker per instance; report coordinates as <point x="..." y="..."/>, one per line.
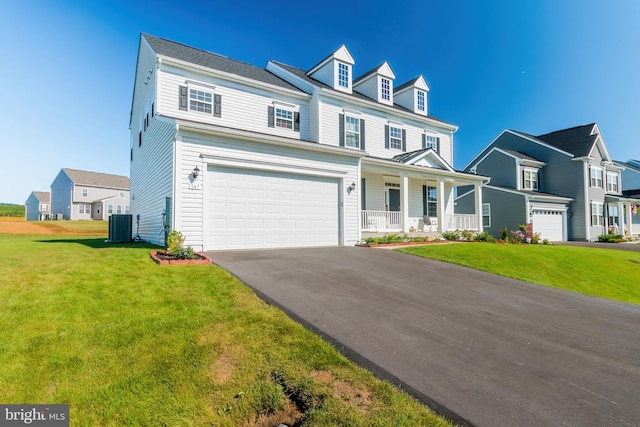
<point x="236" y="156"/>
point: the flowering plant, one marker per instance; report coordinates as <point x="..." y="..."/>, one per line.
<point x="517" y="236"/>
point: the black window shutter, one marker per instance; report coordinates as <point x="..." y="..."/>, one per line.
<point x="183" y="98"/>
<point x="140" y="139"/>
<point x="270" y="117"/>
<point x="363" y="192"/>
<point x="404" y="140"/>
<point x="296" y="121"/>
<point x="217" y="105"/>
<point x="362" y="135"/>
<point x="341" y="129"/>
<point x="424" y="141"/>
<point x="438" y="145"/>
<point x="152" y="109"/>
<point x="424" y="200"/>
<point x="386" y="136"/>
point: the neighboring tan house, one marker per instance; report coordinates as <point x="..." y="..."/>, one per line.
<point x="36" y="208"/>
<point x="564" y="184"/>
<point x="235" y="156"/>
<point x="631" y="188"/>
<point x="77" y="194"/>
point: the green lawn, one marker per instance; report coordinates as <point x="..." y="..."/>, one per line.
<point x="126" y="342"/>
<point x="602" y="273"/>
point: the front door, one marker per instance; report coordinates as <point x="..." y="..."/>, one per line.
<point x="394" y="200"/>
<point x="394" y="206"/>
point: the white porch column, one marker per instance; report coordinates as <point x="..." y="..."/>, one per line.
<point x="404" y="202"/>
<point x="628" y="220"/>
<point x="477" y="192"/>
<point x="621" y="218"/>
<point x="440" y="203"/>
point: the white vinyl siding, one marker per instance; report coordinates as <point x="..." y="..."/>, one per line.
<point x="243" y="107"/>
<point x="375" y="128"/>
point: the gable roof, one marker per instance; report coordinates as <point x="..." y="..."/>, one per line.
<point x="97" y="179"/>
<point x="355" y="94"/>
<point x="383" y="69"/>
<point x="214" y="61"/>
<point x="418" y="82"/>
<point x="42" y="196"/>
<point x="577" y="140"/>
<point x="627" y="165"/>
<point x="412" y="157"/>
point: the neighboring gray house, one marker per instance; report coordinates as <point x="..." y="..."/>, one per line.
<point x="77" y="194"/>
<point x="631" y="188"/>
<point x="37" y="206"/>
<point x="564" y="184"/>
<point x="236" y="156"/>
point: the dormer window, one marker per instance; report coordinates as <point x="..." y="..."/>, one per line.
<point x="530" y="180"/>
<point x="421" y="101"/>
<point x="385" y="88"/>
<point x="343" y="75"/>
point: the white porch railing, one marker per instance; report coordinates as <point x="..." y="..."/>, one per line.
<point x="461" y="222"/>
<point x="386" y="221"/>
<point x="380" y="221"/>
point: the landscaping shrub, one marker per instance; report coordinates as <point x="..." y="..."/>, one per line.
<point x="484" y="237"/>
<point x="452" y="235"/>
<point x="611" y="238"/>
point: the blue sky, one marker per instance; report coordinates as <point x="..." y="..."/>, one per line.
<point x="534" y="66"/>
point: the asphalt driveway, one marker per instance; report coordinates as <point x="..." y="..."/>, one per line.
<point x="478" y="348"/>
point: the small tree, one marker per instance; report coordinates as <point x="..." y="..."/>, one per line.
<point x="175" y="246"/>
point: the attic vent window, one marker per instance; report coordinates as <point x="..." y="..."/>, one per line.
<point x="385" y="87"/>
<point x="200" y="101"/>
<point x="284" y="118"/>
<point x="343" y="75"/>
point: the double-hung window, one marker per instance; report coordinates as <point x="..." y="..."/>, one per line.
<point x="612" y="182"/>
<point x="596" y="177"/>
<point x="284" y="118"/>
<point x="200" y="100"/>
<point x="84" y="192"/>
<point x="343" y="75"/>
<point x="421" y="101"/>
<point x="395" y="137"/>
<point x="614" y="215"/>
<point x="486" y="215"/>
<point x="351" y="131"/>
<point x="431" y="201"/>
<point x="597" y="214"/>
<point x="530" y="179"/>
<point x="385" y="88"/>
<point x="431" y="142"/>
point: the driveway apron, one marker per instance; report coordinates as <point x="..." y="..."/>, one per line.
<point x="478" y="348"/>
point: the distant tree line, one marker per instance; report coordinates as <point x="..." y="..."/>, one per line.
<point x="7" y="209"/>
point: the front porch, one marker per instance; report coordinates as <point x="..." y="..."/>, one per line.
<point x="374" y="221"/>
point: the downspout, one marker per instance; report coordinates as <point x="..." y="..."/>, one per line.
<point x="587" y="202"/>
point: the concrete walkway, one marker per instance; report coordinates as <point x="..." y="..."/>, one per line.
<point x="481" y="349"/>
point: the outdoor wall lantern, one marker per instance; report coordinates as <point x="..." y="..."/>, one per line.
<point x="351" y="187"/>
<point x="196" y="172"/>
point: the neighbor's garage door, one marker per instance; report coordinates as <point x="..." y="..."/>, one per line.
<point x="259" y="209"/>
<point x="548" y="223"/>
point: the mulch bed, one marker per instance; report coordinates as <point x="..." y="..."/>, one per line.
<point x="163" y="258"/>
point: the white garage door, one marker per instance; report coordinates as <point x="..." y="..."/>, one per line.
<point x="259" y="209"/>
<point x="548" y="223"/>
